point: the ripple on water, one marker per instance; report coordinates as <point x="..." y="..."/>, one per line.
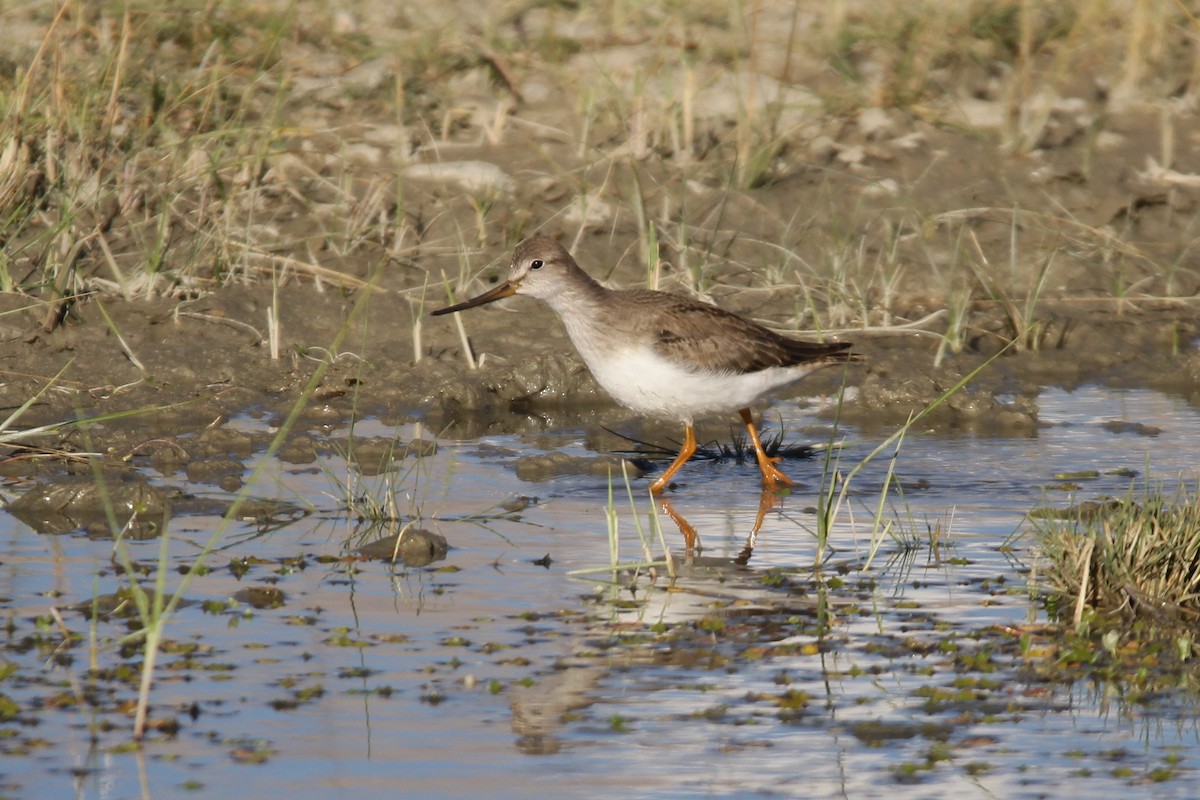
<point x="497" y="672"/>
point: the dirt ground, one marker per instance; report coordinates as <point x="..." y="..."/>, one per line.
<point x="908" y="229"/>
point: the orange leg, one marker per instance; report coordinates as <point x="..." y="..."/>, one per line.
<point x="686" y="452"/>
<point x="770" y="475"/>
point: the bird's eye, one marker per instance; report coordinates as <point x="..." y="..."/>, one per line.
<point x="535" y="264"/>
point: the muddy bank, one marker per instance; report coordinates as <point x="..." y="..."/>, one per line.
<point x="196" y="372"/>
<point x="929" y="225"/>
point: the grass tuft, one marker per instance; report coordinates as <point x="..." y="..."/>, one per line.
<point x="1126" y="559"/>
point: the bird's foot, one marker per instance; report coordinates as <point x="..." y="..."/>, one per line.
<point x="772" y="477"/>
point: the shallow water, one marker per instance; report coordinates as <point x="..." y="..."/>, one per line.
<point x="490" y="674"/>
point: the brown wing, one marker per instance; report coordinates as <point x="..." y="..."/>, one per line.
<point x="708" y="338"/>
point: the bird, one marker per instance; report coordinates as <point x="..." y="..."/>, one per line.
<point x="663" y="355"/>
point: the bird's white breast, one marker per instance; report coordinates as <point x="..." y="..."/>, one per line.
<point x="641" y="380"/>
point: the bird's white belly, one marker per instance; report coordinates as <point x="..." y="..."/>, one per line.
<point x="645" y="382"/>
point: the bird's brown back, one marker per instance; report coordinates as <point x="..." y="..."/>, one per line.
<point x="708" y="338"/>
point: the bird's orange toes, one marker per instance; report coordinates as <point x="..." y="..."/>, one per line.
<point x="771" y="476"/>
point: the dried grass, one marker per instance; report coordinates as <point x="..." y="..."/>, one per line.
<point x="1127" y="558"/>
<point x="150" y="152"/>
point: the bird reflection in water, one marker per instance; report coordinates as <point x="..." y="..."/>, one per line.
<point x="768" y="500"/>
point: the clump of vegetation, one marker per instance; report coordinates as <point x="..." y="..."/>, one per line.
<point x="1126" y="559"/>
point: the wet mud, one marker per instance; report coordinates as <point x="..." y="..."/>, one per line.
<point x="175" y="421"/>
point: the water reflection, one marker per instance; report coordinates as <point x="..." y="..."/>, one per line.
<point x="768" y="500"/>
<point x="777" y="677"/>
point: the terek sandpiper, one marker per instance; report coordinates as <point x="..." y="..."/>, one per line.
<point x="661" y="354"/>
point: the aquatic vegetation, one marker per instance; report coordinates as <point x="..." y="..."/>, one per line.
<point x="1125" y="560"/>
